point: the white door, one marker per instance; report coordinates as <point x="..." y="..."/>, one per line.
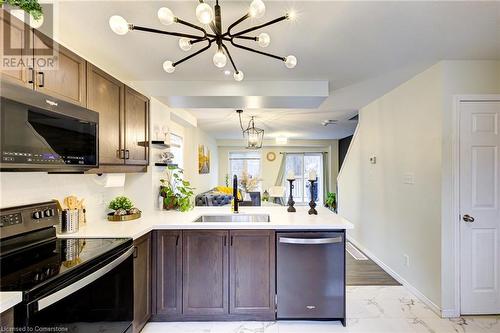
<point x="479" y="207"/>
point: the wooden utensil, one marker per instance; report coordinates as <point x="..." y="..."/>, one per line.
<point x="71" y="202"/>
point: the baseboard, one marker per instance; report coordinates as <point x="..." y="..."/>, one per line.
<point x="450" y="313"/>
<point x="400" y="279"/>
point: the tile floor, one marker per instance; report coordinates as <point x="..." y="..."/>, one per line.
<point x="373" y="309"/>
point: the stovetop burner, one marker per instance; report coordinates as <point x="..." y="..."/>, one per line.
<point x="26" y="269"/>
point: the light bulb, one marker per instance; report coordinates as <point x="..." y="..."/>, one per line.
<point x="168" y="66"/>
<point x="238" y="76"/>
<point x="257" y="8"/>
<point x="292" y="15"/>
<point x="118" y="24"/>
<point x="220" y="59"/>
<point x="166" y="16"/>
<point x="185" y="44"/>
<point x="253" y="139"/>
<point x="290" y="61"/>
<point x="264" y="40"/>
<point x="204" y="13"/>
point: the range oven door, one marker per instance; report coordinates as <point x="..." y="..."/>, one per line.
<point x="40" y="133"/>
<point x="101" y="300"/>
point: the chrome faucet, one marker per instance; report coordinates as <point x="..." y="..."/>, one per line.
<point x="235" y="194"/>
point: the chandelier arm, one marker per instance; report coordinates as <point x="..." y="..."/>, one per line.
<point x="178" y="20"/>
<point x="257" y="51"/>
<point x="246" y="37"/>
<point x="210" y="41"/>
<point x="241" y="124"/>
<point x="241" y="19"/>
<point x="156" y="31"/>
<point x="230" y="58"/>
<point x="279" y="19"/>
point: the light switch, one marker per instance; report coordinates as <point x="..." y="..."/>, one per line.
<point x="409" y="178"/>
<point x="373" y="159"/>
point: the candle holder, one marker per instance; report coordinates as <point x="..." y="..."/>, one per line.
<point x="291" y="209"/>
<point x="312" y="203"/>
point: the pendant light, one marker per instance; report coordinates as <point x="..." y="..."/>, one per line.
<point x="254" y="136"/>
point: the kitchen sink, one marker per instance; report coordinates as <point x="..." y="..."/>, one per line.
<point x="235" y="218"/>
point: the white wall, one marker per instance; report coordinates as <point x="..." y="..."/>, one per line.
<point x="409" y="130"/>
<point x="403" y="130"/>
<point x="269" y="170"/>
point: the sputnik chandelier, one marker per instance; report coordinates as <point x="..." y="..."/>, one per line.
<point x="213" y="18"/>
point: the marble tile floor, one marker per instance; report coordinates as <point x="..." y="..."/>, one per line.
<point x="370" y="309"/>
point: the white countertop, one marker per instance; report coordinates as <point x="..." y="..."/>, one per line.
<point x="280" y="220"/>
<point x="9" y="298"/>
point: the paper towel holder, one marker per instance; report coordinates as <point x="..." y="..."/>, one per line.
<point x="110" y="179"/>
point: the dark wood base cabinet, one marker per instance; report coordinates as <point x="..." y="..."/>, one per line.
<point x="214" y="275"/>
<point x="142" y="282"/>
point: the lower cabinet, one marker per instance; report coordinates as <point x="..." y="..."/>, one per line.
<point x="142" y="282"/>
<point x="222" y="275"/>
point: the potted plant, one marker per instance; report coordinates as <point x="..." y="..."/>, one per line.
<point x="123" y="210"/>
<point x="331" y="201"/>
<point x="177" y="193"/>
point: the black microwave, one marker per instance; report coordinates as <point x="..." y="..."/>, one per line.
<point x="41" y="133"/>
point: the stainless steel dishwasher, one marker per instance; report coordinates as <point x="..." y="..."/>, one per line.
<point x="310" y="277"/>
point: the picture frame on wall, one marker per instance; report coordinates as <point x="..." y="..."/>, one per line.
<point x="203" y="159"/>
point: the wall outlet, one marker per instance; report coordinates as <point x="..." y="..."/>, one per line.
<point x="373" y="159"/>
<point x="407" y="260"/>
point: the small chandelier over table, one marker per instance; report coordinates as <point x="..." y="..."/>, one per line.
<point x="253" y="135"/>
<point x="213" y="18"/>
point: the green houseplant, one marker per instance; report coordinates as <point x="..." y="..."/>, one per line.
<point x="177" y="193"/>
<point x="121" y="203"/>
<point x="31" y="7"/>
<point x="331" y="201"/>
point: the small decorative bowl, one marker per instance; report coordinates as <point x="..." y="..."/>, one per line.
<point x="120" y="218"/>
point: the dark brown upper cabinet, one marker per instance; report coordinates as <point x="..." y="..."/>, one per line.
<point x="46" y="66"/>
<point x="123" y="122"/>
<point x="205" y="273"/>
<point x="15" y="41"/>
<point x="142" y="282"/>
<point x="106" y="95"/>
<point x="168" y="273"/>
<point x="136" y="127"/>
<point x="251" y="267"/>
<point x="64" y="81"/>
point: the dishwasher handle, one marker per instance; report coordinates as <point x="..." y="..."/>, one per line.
<point x="310" y="241"/>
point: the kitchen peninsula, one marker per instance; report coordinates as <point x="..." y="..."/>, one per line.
<point x="193" y="270"/>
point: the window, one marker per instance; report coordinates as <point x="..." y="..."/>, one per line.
<point x="177" y="148"/>
<point x="240" y="162"/>
<point x="302" y="164"/>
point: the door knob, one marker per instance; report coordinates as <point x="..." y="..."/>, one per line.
<point x="468" y="218"/>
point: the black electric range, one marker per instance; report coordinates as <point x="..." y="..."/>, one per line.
<point x="68" y="284"/>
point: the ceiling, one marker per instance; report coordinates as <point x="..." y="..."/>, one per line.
<point x="362" y="49"/>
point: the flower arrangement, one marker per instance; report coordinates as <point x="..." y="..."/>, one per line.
<point x="249" y="183"/>
<point x="177" y="193"/>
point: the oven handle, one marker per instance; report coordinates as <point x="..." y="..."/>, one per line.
<point x="310" y="241"/>
<point x="72" y="288"/>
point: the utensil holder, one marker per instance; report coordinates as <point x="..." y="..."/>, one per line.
<point x="69" y="221"/>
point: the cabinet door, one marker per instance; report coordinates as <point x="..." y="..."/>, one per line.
<point x="205" y="272"/>
<point x="136" y="127"/>
<point x="64" y="79"/>
<point x="142" y="282"/>
<point x="105" y="95"/>
<point x="16" y="51"/>
<point x="252" y="272"/>
<point x="168" y="273"/>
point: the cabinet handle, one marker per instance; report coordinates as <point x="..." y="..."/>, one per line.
<point x="120" y="153"/>
<point x="177" y="241"/>
<point x="225" y="240"/>
<point x="42" y="81"/>
<point x="136" y="252"/>
<point x="231" y="244"/>
<point x="127" y="154"/>
<point x="32" y="79"/>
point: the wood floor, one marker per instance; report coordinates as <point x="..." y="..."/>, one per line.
<point x="366" y="273"/>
